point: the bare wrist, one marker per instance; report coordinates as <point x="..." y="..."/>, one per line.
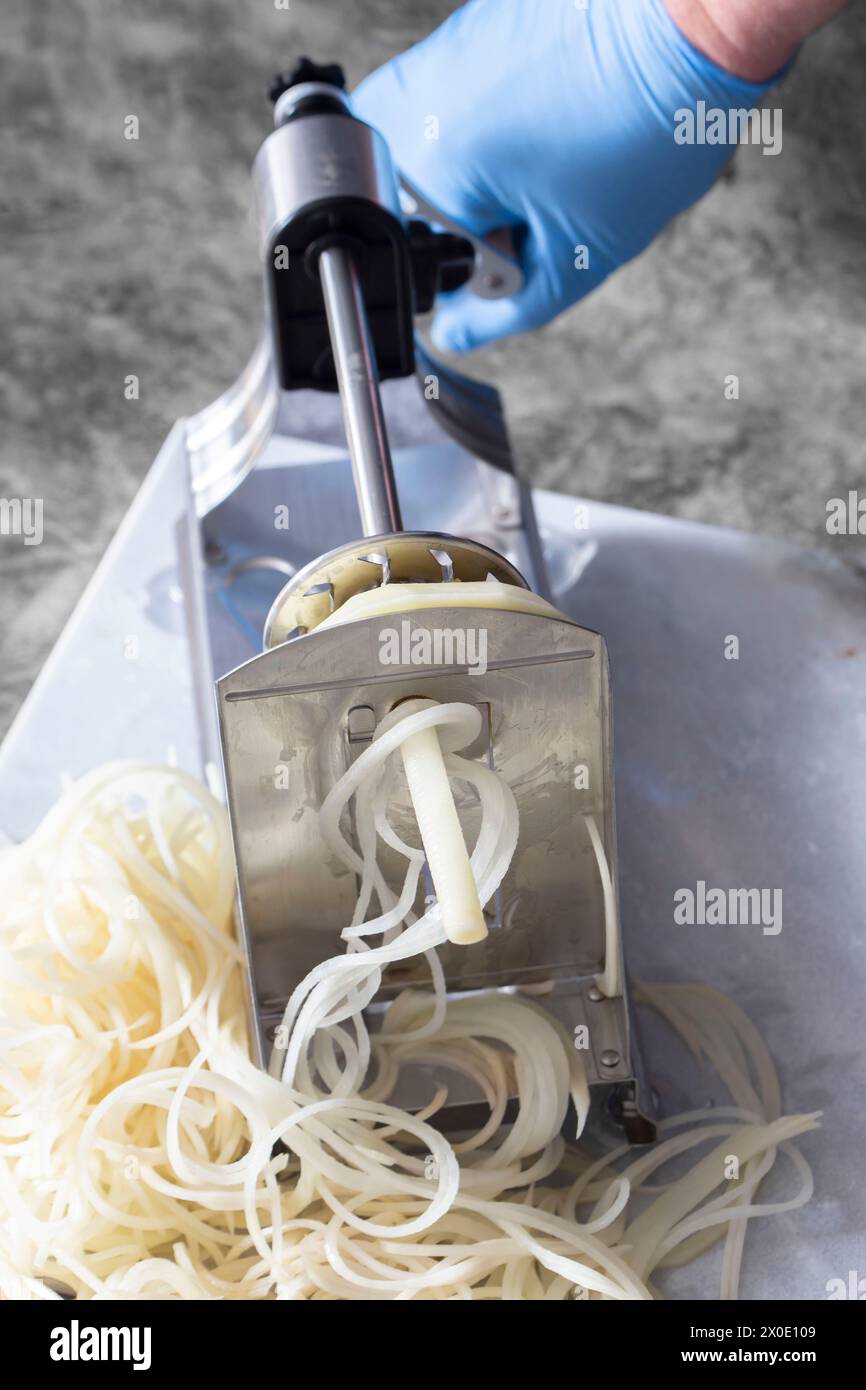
<point x="752" y="39"/>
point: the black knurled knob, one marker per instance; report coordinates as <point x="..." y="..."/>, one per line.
<point x="305" y="70"/>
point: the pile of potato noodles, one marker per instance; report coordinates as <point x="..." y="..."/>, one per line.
<point x="143" y="1155"/>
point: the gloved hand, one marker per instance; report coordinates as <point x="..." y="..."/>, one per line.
<point x="557" y="121"/>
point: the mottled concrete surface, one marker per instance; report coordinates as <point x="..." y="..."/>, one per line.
<point x="138" y="257"/>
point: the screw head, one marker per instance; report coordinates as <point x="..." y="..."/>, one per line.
<point x="595" y="995"/>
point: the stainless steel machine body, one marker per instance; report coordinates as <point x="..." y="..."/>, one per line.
<point x="294" y="716"/>
<point x="307" y="708"/>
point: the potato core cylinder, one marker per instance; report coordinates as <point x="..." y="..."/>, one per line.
<point x="442" y="838"/>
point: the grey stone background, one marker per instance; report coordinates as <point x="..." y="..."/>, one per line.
<point x="120" y="256"/>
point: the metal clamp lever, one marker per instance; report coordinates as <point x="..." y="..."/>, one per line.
<point x="497" y="273"/>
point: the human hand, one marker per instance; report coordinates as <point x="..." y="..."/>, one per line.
<point x="559" y="122"/>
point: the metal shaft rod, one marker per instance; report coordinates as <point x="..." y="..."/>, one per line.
<point x="358" y="380"/>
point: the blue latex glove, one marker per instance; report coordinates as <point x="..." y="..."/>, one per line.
<point x="557" y="121"/>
